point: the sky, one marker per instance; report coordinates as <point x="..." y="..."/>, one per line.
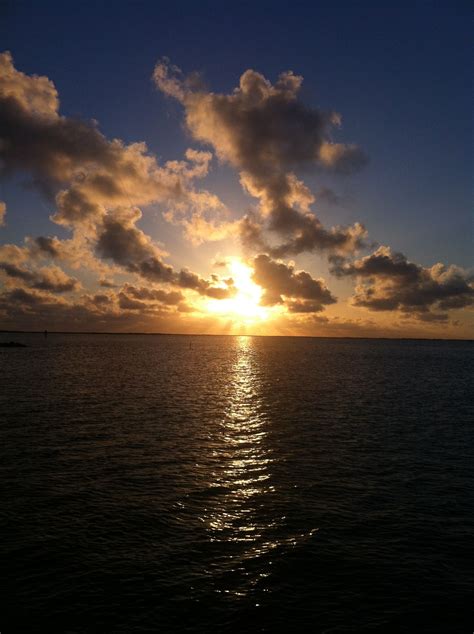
<point x="246" y="168"/>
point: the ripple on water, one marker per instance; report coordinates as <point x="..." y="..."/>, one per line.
<point x="248" y="484"/>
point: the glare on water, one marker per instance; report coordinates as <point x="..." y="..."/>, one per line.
<point x="242" y="453"/>
<point x="242" y="461"/>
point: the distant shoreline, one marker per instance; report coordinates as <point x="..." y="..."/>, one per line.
<point x="188" y="334"/>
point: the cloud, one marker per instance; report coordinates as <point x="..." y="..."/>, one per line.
<point x="25" y="308"/>
<point x="47" y="278"/>
<point x="101" y="188"/>
<point x="78" y="252"/>
<point x="107" y="284"/>
<point x="22" y="307"/>
<point x="13" y="254"/>
<point x="60" y="150"/>
<point x="125" y="244"/>
<point x="100" y="299"/>
<point x="327" y="195"/>
<point x="260" y="128"/>
<point x="190" y="280"/>
<point x="35" y="137"/>
<point x="266" y="132"/>
<point x="154" y="295"/>
<point x="203" y="216"/>
<point x="132" y="178"/>
<point x="72" y="161"/>
<point x="291" y="217"/>
<point x="433" y="317"/>
<point x="343" y="159"/>
<point x="311" y="235"/>
<point x="389" y="281"/>
<point x="281" y="282"/>
<point x="44" y="246"/>
<point x="151" y="300"/>
<point x="94" y="180"/>
<point x="298" y="306"/>
<point x="127" y="303"/>
<point x="121" y="241"/>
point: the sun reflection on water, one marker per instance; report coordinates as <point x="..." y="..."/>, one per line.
<point x="243" y="516"/>
<point x="245" y="459"/>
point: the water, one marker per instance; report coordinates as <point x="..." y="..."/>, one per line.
<point x="214" y="484"/>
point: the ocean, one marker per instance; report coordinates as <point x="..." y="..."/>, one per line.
<point x="156" y="483"/>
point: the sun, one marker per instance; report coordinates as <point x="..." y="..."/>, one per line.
<point x="245" y="304"/>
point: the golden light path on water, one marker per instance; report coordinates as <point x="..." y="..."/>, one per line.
<point x="246" y="458"/>
<point x="245" y="514"/>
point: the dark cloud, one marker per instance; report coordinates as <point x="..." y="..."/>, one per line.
<point x="46" y="246"/>
<point x="187" y="279"/>
<point x="151" y="299"/>
<point x="47" y="279"/>
<point x="58" y="150"/>
<point x="34" y="136"/>
<point x="21" y="308"/>
<point x="21" y="297"/>
<point x="76" y="252"/>
<point x="329" y="196"/>
<point x="261" y="128"/>
<point x="266" y="132"/>
<point x="107" y="284"/>
<point x="127" y="303"/>
<point x="101" y="299"/>
<point x="121" y="241"/>
<point x="310" y="235"/>
<point x="305" y="231"/>
<point x="251" y="233"/>
<point x="303" y="306"/>
<point x="154" y="295"/>
<point x="97" y="177"/>
<point x="388" y="281"/>
<point x="27" y="308"/>
<point x="433" y="317"/>
<point x="281" y="282"/>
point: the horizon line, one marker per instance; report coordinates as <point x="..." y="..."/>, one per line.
<point x="204" y="334"/>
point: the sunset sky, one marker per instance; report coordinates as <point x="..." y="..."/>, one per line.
<point x="259" y="168"/>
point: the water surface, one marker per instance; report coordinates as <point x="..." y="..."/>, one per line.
<point x="198" y="484"/>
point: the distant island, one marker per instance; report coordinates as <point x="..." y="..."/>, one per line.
<point x="12" y="344"/>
